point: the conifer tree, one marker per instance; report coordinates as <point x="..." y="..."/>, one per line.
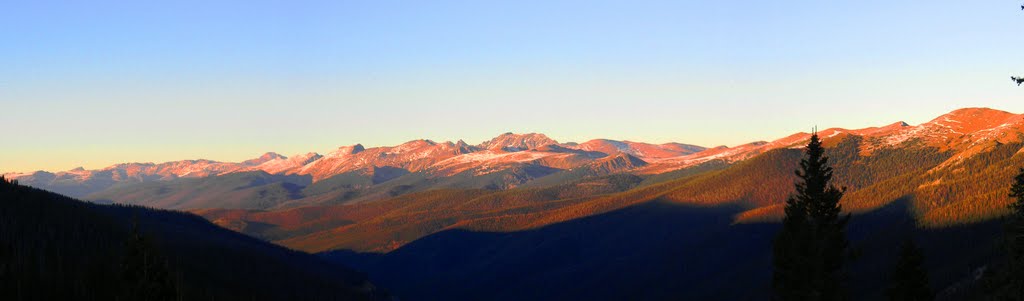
<point x="909" y="280"/>
<point x="810" y="249"/>
<point x="1013" y="278"/>
<point x="144" y="273"/>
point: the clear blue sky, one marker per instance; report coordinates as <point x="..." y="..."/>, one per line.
<point x="91" y="83"/>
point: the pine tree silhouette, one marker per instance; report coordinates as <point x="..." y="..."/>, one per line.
<point x="810" y="249"/>
<point x="909" y="280"/>
<point x="1013" y="276"/>
<point x="144" y="273"/>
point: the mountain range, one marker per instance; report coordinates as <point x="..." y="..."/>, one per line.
<point x="573" y="218"/>
<point x="512" y="160"/>
<point x="504" y="152"/>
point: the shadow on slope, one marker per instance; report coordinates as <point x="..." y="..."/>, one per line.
<point x="641" y="252"/>
<point x="57" y="248"/>
<point x="651" y="251"/>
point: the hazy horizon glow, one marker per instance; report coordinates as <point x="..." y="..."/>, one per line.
<point x="93" y="84"/>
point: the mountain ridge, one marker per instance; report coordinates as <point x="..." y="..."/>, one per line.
<point x="966" y="131"/>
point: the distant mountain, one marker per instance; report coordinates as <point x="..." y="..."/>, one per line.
<point x="639" y="149"/>
<point x="57" y="248"/>
<point x="412" y="156"/>
<point x="80" y="182"/>
<point x="517" y="142"/>
<point x="281" y="164"/>
<point x="509" y="160"/>
<point x="248" y="190"/>
<point x="950" y="175"/>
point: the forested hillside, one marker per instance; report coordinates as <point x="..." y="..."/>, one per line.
<point x="938" y="190"/>
<point x="57" y="248"/>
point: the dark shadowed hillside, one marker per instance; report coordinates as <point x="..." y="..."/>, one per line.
<point x="652" y="251"/>
<point x="57" y="248"/>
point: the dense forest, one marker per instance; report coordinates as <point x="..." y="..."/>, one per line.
<point x="57" y="248"/>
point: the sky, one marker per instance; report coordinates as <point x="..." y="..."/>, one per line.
<point x="93" y="83"/>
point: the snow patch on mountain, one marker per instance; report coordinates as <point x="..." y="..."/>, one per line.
<point x="966" y="132"/>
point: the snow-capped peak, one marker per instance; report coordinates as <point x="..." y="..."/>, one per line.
<point x="517" y="142"/>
